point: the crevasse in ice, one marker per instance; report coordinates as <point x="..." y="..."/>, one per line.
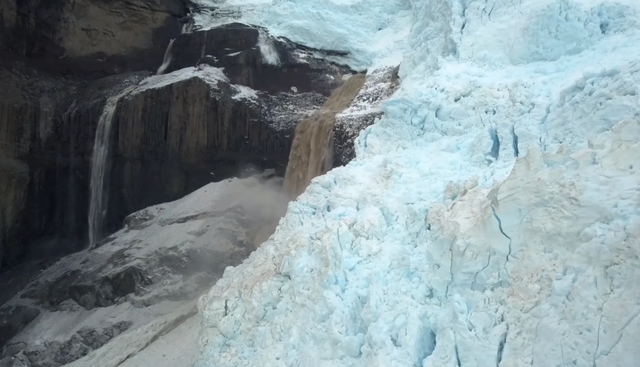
<point x="491" y="217"/>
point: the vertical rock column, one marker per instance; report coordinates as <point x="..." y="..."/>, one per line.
<point x="23" y="127"/>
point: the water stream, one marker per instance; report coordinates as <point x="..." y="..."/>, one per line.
<point x="100" y="168"/>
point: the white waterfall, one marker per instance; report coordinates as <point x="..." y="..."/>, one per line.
<point x="168" y="57"/>
<point x="100" y="170"/>
<point x="268" y="49"/>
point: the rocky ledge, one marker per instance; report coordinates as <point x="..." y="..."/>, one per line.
<point x="251" y="57"/>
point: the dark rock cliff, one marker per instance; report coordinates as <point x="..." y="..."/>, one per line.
<point x="89" y="37"/>
<point x="46" y="141"/>
<point x="171" y="139"/>
<point x="239" y="49"/>
<point x="172" y="134"/>
<point x="51" y="53"/>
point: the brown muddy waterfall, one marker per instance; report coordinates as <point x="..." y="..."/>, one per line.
<point x="312" y="148"/>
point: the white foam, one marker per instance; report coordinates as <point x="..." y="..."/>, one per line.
<point x="244" y="92"/>
<point x="268" y="50"/>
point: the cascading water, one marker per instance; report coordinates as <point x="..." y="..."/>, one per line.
<point x="311" y="152"/>
<point x="268" y="50"/>
<point x="100" y="170"/>
<point x="204" y="44"/>
<point x="168" y="57"/>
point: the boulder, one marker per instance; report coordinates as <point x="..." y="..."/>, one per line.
<point x="59" y="353"/>
<point x="14" y="318"/>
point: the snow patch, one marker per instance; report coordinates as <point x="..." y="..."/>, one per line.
<point x="243" y="92"/>
<point x="205" y="72"/>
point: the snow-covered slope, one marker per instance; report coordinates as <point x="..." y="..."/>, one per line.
<point x="132" y="300"/>
<point x="490" y="218"/>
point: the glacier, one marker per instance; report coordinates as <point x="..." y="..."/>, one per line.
<point x="491" y="216"/>
<point x="371" y="32"/>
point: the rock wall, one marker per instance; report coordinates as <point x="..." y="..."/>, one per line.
<point x="93" y="37"/>
<point x="46" y="139"/>
<point x="26" y="126"/>
<point x="61" y="59"/>
<point x="173" y="134"/>
<point x="241" y="49"/>
<point x="47" y="122"/>
<point x="172" y="138"/>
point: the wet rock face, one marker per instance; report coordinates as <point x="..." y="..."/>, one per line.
<point x="48" y="126"/>
<point x="93" y="37"/>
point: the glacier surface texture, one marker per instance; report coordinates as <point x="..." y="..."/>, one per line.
<point x="490" y="218"/>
